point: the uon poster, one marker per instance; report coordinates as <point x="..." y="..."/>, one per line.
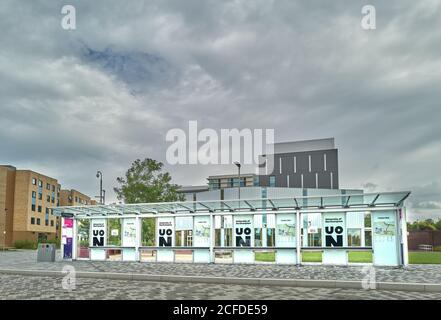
<point x="98" y="230"/>
<point x="129" y="232"/>
<point x="165" y="232"/>
<point x="286" y="230"/>
<point x="201" y="236"/>
<point x="243" y="231"/>
<point x="334" y="230"/>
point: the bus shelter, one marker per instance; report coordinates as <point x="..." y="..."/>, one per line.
<point x="279" y="230"/>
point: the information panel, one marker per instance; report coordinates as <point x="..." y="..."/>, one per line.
<point x="201" y="238"/>
<point x="334" y="235"/>
<point x="165" y="238"/>
<point x="243" y="237"/>
<point x="129" y="239"/>
<point x="286" y="237"/>
<point x="384" y="238"/>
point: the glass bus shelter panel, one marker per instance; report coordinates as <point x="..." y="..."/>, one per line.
<point x="83" y="232"/>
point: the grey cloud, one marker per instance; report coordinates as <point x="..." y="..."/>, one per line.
<point x="306" y="69"/>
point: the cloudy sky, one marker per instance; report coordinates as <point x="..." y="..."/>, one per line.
<point x="100" y="96"/>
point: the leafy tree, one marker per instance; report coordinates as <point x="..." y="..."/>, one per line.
<point x="144" y="182"/>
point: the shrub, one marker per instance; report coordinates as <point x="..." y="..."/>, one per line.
<point x="25" y="244"/>
<point x="437" y="248"/>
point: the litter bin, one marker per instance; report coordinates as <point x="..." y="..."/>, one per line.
<point x="46" y="252"/>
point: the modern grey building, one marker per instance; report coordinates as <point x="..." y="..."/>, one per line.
<point x="301" y="164"/>
<point x="308" y="164"/>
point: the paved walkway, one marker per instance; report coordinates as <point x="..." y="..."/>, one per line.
<point x="30" y="287"/>
<point x="26" y="260"/>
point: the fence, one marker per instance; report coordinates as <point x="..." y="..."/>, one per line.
<point x="421" y="239"/>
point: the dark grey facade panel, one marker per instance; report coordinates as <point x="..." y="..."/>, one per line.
<point x="302" y="167"/>
<point x="324" y="180"/>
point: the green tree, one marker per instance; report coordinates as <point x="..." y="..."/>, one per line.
<point x="145" y="182"/>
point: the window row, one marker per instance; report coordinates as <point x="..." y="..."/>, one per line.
<point x="37" y="221"/>
<point x="40" y="208"/>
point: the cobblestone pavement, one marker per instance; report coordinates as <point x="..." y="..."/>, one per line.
<point x="48" y="288"/>
<point x="26" y="259"/>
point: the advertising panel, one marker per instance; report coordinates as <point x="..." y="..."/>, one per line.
<point x="98" y="238"/>
<point x="67" y="237"/>
<point x="243" y="237"/>
<point x="165" y="232"/>
<point x="98" y="229"/>
<point x="334" y="236"/>
<point x="165" y="237"/>
<point x="334" y="230"/>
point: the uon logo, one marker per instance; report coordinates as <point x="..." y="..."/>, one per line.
<point x="243" y="237"/>
<point x="98" y="238"/>
<point x="332" y="241"/>
<point x="165" y="237"/>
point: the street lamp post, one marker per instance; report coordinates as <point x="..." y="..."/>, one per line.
<point x="99" y="175"/>
<point x="104" y="196"/>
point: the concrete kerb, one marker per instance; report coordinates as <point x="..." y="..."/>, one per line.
<point x="390" y="286"/>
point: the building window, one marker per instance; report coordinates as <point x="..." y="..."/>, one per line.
<point x="76" y="199"/>
<point x="367" y="220"/>
<point x="301" y="180"/>
<point x="280" y="165"/>
<point x="287" y="181"/>
<point x="34" y="181"/>
<point x="32" y="220"/>
<point x="33" y="207"/>
<point x="38" y="221"/>
<point x="52" y="223"/>
<point x="46" y="223"/>
<point x="40" y="196"/>
<point x="258" y="237"/>
<point x="256" y="181"/>
<point x="53" y="200"/>
<point x="40" y="183"/>
<point x="272" y="181"/>
<point x="324" y="162"/>
<point x="354" y="237"/>
<point x="53" y="188"/>
<point x="295" y="164"/>
<point x="309" y="163"/>
<point x="34" y="194"/>
<point x="316" y="180"/>
<point x="270" y="237"/>
<point x="39" y="208"/>
<point x="48" y="198"/>
<point x="47" y="210"/>
<point x="48" y="186"/>
<point x="368" y="238"/>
